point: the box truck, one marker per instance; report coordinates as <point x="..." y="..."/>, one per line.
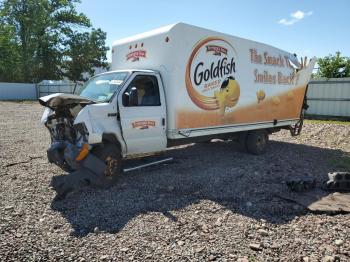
<point x="175" y="85"/>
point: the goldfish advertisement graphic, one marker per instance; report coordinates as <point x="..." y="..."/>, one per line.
<point x="231" y="87"/>
<point x="210" y="75"/>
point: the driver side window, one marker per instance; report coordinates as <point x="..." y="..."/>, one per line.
<point x="143" y="91"/>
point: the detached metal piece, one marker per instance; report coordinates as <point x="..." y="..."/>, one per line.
<point x="149" y="164"/>
<point x="301" y="184"/>
<point x="338" y="181"/>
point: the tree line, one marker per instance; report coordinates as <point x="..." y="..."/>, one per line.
<point x="333" y="66"/>
<point x="48" y="39"/>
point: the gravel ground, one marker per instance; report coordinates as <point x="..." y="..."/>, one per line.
<point x="213" y="203"/>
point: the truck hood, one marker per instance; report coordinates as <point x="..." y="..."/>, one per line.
<point x="60" y="99"/>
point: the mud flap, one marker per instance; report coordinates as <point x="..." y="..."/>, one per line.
<point x="91" y="172"/>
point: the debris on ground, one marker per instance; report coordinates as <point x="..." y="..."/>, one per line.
<point x="338" y="181"/>
<point x="301" y="184"/>
<point x="333" y="203"/>
<point x="320" y="202"/>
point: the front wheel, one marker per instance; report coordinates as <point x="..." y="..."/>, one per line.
<point x="256" y="142"/>
<point x="110" y="154"/>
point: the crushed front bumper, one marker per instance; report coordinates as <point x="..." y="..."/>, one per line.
<point x="63" y="154"/>
<point x="90" y="170"/>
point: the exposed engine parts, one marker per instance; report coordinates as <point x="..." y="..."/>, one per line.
<point x="61" y="129"/>
<point x="338" y="181"/>
<point x="61" y="125"/>
<point x="67" y="139"/>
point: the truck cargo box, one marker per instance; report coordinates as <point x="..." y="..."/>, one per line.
<point x="217" y="83"/>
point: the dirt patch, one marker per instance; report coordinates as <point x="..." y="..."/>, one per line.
<point x="212" y="203"/>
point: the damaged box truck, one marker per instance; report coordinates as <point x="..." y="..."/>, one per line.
<point x="171" y="86"/>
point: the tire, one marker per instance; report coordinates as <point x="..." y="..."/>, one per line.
<point x="242" y="142"/>
<point x="256" y="142"/>
<point x="110" y="154"/>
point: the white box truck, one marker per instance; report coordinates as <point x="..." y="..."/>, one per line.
<point x="175" y="85"/>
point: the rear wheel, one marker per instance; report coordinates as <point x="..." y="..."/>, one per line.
<point x="110" y="154"/>
<point x="256" y="142"/>
<point x="242" y="142"/>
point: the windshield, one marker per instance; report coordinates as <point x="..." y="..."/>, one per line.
<point x="101" y="88"/>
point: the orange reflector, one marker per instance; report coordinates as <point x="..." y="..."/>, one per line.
<point x="83" y="152"/>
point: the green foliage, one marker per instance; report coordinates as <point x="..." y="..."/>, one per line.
<point x="86" y="51"/>
<point x="36" y="37"/>
<point x="334" y="66"/>
<point x="9" y="54"/>
<point x="322" y="122"/>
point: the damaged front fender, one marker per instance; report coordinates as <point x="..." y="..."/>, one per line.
<point x="95" y="135"/>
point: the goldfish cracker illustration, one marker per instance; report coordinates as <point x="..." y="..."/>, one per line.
<point x="260" y="95"/>
<point x="228" y="95"/>
<point x="290" y="95"/>
<point x="275" y="100"/>
<point x="303" y="63"/>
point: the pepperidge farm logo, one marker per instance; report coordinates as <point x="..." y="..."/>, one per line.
<point x="136" y="55"/>
<point x="143" y="124"/>
<point x="217" y="50"/>
<point x="210" y="71"/>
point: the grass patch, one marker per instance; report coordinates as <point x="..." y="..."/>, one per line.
<point x="342" y="162"/>
<point x="335" y="122"/>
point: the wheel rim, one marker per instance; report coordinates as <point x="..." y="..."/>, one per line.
<point x="261" y="141"/>
<point x="112" y="167"/>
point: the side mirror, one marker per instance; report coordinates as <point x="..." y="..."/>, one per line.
<point x="130" y="98"/>
<point x="133" y="97"/>
<point x="125" y="99"/>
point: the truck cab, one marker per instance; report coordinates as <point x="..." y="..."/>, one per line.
<point x="142" y="113"/>
<point x="125" y="109"/>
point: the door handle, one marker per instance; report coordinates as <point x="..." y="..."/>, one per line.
<point x="163" y="121"/>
